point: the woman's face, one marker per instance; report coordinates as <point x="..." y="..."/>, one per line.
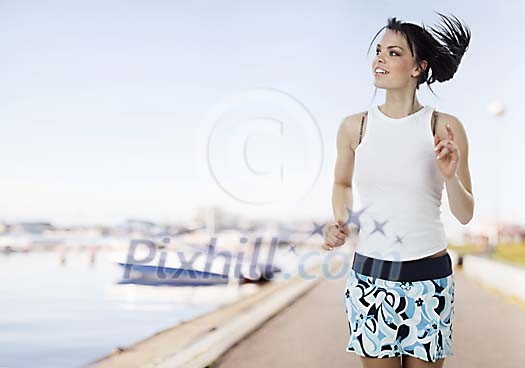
<point x="392" y="54"/>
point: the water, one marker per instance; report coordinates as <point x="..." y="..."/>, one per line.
<point x="67" y="315"/>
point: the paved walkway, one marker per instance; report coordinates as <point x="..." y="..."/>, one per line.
<point x="489" y="331"/>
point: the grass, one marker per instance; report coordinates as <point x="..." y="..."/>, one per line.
<point x="511" y="252"/>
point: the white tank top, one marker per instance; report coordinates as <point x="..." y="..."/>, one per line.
<point x="399" y="186"/>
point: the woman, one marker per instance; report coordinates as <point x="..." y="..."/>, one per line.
<point x="399" y="293"/>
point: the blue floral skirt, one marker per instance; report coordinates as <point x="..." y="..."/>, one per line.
<point x="389" y="318"/>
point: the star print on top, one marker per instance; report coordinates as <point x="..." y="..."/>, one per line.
<point x="400" y="187"/>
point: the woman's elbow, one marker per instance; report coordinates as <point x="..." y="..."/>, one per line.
<point x="466" y="219"/>
<point x="343" y="183"/>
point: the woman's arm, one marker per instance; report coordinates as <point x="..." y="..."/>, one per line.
<point x="459" y="186"/>
<point x="337" y="232"/>
<point x="342" y="197"/>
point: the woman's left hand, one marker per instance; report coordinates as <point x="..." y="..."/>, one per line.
<point x="447" y="154"/>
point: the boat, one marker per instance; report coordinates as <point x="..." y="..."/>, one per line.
<point x="178" y="271"/>
<point x="157" y="275"/>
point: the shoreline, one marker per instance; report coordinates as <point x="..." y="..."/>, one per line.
<point x="200" y="341"/>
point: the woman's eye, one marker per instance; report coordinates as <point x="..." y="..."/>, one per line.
<point x="395" y="52"/>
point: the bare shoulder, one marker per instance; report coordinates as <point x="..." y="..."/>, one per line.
<point x="454" y="122"/>
<point x="355" y="117"/>
<point x="351" y="125"/>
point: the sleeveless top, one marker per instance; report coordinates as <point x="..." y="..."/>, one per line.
<point x="399" y="185"/>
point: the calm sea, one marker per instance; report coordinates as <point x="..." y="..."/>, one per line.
<point x="57" y="312"/>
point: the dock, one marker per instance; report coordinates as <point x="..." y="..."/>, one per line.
<point x="302" y="323"/>
<point x="489" y="331"/>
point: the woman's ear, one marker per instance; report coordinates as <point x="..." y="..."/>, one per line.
<point x="422" y="67"/>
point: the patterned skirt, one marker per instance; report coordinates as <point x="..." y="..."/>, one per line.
<point x="399" y="308"/>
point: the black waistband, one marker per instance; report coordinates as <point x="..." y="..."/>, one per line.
<point x="413" y="270"/>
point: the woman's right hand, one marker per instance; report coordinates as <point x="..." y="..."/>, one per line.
<point x="335" y="235"/>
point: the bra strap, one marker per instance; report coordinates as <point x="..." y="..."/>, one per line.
<point x="434" y="122"/>
<point x="361" y="131"/>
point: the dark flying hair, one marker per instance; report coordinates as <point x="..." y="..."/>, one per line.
<point x="442" y="47"/>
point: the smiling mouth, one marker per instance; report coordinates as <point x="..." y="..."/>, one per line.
<point x="376" y="73"/>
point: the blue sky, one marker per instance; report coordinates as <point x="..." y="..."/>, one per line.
<point x="102" y="101"/>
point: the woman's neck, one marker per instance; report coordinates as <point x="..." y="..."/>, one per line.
<point x="399" y="105"/>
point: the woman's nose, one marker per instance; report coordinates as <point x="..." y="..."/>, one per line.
<point x="379" y="57"/>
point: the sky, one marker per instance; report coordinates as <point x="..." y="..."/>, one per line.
<point x="153" y="109"/>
